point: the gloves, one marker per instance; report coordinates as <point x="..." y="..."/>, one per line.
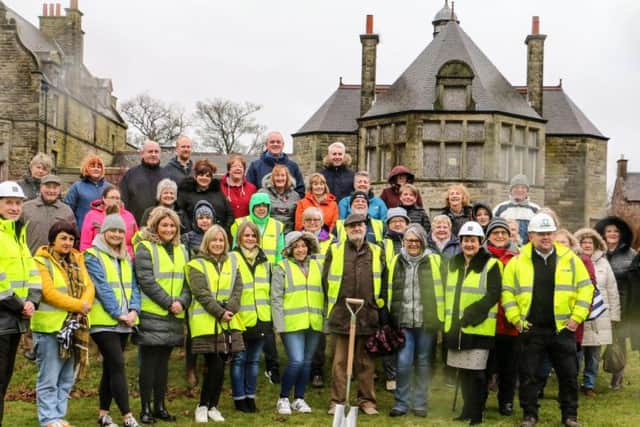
<point x="384" y="317"/>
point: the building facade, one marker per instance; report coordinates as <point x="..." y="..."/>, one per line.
<point x="452" y="117"/>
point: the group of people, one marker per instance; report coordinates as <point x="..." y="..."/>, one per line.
<point x="223" y="266"/>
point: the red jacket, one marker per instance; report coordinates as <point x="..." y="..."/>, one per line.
<point x="238" y="196"/>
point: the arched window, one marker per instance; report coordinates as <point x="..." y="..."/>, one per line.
<point x="453" y="87"/>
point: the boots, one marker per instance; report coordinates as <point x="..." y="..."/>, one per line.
<point x="161" y="412"/>
<point x="145" y="416"/>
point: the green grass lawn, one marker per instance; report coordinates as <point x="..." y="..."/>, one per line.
<point x="609" y="408"/>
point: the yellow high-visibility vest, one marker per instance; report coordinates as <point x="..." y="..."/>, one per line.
<point x="268" y="239"/>
<point x="255" y="301"/>
<point x="303" y="296"/>
<point x="18" y="271"/>
<point x="168" y="273"/>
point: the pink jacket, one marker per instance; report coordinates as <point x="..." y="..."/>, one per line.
<point x="93" y="221"/>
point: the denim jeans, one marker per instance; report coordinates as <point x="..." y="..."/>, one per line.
<point x="55" y="379"/>
<point x="300" y="346"/>
<point x="413" y="356"/>
<point x="244" y="369"/>
<point x="591" y="361"/>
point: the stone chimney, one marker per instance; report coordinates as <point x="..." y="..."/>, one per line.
<point x="622" y="168"/>
<point x="369" y="42"/>
<point x="65" y="29"/>
<point x="535" y="65"/>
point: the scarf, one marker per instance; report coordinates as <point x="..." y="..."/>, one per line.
<point x="250" y="255"/>
<point x="73" y="339"/>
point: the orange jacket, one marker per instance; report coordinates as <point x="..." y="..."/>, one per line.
<point x="328" y="206"/>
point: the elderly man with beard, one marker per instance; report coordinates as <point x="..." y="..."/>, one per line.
<point x="354" y="268"/>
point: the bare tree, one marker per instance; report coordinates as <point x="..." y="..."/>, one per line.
<point x="222" y="124"/>
<point x="154" y="119"/>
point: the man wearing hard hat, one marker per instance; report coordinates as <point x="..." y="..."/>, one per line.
<point x="20" y="287"/>
<point x="546" y="294"/>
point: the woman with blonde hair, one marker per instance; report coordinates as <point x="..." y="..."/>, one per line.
<point x="39" y="167"/>
<point x="320" y="197"/>
<point x="88" y="188"/>
<point x="159" y="265"/>
<point x="458" y="206"/>
<point x="216" y="289"/>
<point x="280" y="186"/>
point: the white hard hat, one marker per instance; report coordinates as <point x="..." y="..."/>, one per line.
<point x="471" y="228"/>
<point x="11" y="189"/>
<point x="541" y="223"/>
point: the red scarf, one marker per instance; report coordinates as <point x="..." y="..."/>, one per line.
<point x="503" y="327"/>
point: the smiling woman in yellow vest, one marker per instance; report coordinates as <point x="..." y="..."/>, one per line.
<point x="67" y="295"/>
<point x="297" y="306"/>
<point x="216" y="288"/>
<point x="114" y="314"/>
<point x="159" y="265"/>
<point x="473" y="285"/>
<point x="19" y="281"/>
<point x="255" y="314"/>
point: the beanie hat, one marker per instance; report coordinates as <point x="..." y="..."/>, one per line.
<point x="397" y="212"/>
<point x="113" y="222"/>
<point x="204" y="210"/>
<point x="519" y="180"/>
<point x="358" y="195"/>
<point x="498" y="223"/>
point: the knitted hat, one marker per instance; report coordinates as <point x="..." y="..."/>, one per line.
<point x="519" y="180"/>
<point x="358" y="195"/>
<point x="397" y="212"/>
<point x="113" y="222"/>
<point x="498" y="223"/>
<point x="204" y="210"/>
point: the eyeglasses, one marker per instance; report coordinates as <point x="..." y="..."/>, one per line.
<point x="312" y="220"/>
<point x="412" y="241"/>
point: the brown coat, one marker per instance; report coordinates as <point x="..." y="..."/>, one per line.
<point x="357" y="282"/>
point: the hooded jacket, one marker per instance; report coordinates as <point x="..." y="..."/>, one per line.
<point x="391" y="195"/>
<point x="189" y="194"/>
<point x="377" y="208"/>
<point x="328" y="206"/>
<point x="262" y="166"/>
<point x="339" y="178"/>
<point x="260" y="199"/>
<point x="283" y="206"/>
<point x="176" y="171"/>
<point x="94" y="220"/>
<point x="238" y="196"/>
<point x="81" y="194"/>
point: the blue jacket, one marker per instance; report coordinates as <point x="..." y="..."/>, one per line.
<point x="377" y="208"/>
<point x="262" y="166"/>
<point x="81" y="194"/>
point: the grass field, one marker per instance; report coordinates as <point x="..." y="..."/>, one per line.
<point x="609" y="408"/>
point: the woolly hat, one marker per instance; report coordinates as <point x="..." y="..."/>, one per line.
<point x="204" y="209"/>
<point x="498" y="223"/>
<point x="358" y="195"/>
<point x="397" y="212"/>
<point x="519" y="180"/>
<point x="113" y="222"/>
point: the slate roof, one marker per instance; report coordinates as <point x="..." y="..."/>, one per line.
<point x="631" y="187"/>
<point x="415" y="89"/>
<point x="31" y="36"/>
<point x="339" y="112"/>
<point x="564" y="117"/>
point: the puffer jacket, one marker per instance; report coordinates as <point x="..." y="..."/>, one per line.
<point x="391" y="195"/>
<point x="283" y="206"/>
<point x="156" y="330"/>
<point x="339" y="178"/>
<point x="328" y="206"/>
<point x="82" y="194"/>
<point x="449" y="250"/>
<point x="418" y="215"/>
<point x="193" y="238"/>
<point x="93" y="222"/>
<point x="30" y="186"/>
<point x="189" y="195"/>
<point x="458" y="220"/>
<point x="263" y="165"/>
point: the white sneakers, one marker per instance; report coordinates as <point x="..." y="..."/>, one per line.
<point x="203" y="415"/>
<point x="301" y="406"/>
<point x="298" y="405"/>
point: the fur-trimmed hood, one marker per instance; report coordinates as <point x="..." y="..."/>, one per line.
<point x="345" y="164"/>
<point x="598" y="241"/>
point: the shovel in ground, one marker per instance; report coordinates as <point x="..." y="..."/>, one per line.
<point x="345" y="415"/>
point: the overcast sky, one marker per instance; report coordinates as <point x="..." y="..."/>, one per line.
<point x="288" y="55"/>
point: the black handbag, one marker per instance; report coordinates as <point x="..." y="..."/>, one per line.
<point x="385" y="341"/>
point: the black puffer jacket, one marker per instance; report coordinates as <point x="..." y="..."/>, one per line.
<point x="189" y="195"/>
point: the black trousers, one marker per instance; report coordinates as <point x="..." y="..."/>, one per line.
<point x="212" y="382"/>
<point x="8" y="349"/>
<point x="317" y="362"/>
<point x="503" y="361"/>
<point x="154" y="372"/>
<point x="113" y="384"/>
<point x="473" y="385"/>
<point x="561" y="349"/>
<point x="270" y="351"/>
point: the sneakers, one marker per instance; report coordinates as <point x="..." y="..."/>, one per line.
<point x="299" y="405"/>
<point x="571" y="422"/>
<point x="390" y="385"/>
<point x="131" y="422"/>
<point x="201" y="414"/>
<point x="215" y="415"/>
<point x="273" y="376"/>
<point x="332" y="409"/>
<point x="283" y="406"/>
<point x="528" y="422"/>
<point x="54" y="424"/>
<point x="369" y="409"/>
<point x="106" y="421"/>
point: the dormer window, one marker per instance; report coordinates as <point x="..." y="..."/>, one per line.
<point x="453" y="87"/>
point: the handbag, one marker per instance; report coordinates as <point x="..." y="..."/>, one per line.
<point x="385" y="341"/>
<point x="227" y="342"/>
<point x="614" y="358"/>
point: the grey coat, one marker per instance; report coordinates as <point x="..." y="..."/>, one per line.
<point x="40" y="216"/>
<point x="283" y="206"/>
<point x="154" y="329"/>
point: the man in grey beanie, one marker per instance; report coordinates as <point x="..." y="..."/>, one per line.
<point x="518" y="207"/>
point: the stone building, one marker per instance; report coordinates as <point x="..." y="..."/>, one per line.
<point x="49" y="101"/>
<point x="625" y="200"/>
<point x="451" y="116"/>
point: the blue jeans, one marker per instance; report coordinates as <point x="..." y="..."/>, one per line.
<point x="55" y="379"/>
<point x="245" y="368"/>
<point x="300" y="347"/>
<point x="414" y="355"/>
<point x="591" y="361"/>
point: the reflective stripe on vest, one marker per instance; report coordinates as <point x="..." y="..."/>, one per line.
<point x="434" y="261"/>
<point x="324" y="248"/>
<point x="201" y="322"/>
<point x="118" y="279"/>
<point x="303" y="299"/>
<point x="47" y="318"/>
<point x="376" y="225"/>
<point x="18" y="271"/>
<point x="334" y="278"/>
<point x="256" y="289"/>
<point x="168" y="274"/>
<point x="269" y="237"/>
<point x="474" y="288"/>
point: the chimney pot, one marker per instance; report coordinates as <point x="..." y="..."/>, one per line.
<point x="51" y="9"/>
<point x="73" y="5"/>
<point x="44" y="9"/>
<point x="369" y="24"/>
<point x="535" y="25"/>
<point x="58" y="8"/>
